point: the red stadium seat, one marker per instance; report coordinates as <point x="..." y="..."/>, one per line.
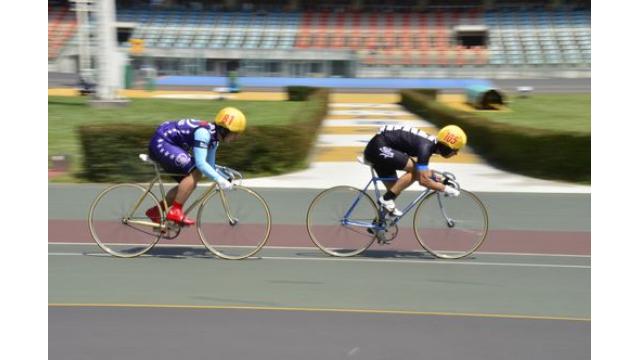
<point x="61" y="28"/>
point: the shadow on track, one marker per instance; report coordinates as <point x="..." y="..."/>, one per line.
<point x="173" y="252"/>
<point x="382" y="254"/>
<point x="190" y="252"/>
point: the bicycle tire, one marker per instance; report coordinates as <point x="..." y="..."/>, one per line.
<point x="458" y="234"/>
<point x="324" y="225"/>
<point x="111" y="227"/>
<point x="239" y="240"/>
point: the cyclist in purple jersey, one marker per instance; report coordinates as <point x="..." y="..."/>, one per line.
<point x="181" y="132"/>
<point x="405" y="148"/>
<point x="187" y="149"/>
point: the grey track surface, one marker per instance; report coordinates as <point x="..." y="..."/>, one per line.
<point x="158" y="334"/>
<point x="536" y="286"/>
<point x="511" y="211"/>
<point x="490" y="306"/>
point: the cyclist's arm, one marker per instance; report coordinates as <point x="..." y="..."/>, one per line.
<point x="205" y="157"/>
<point x="425" y="175"/>
<point x="211" y="155"/>
<point x="427" y="179"/>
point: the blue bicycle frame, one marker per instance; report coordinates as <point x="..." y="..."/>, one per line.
<point x="381" y="225"/>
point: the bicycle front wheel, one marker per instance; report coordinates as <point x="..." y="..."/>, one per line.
<point x="340" y="219"/>
<point x="118" y="223"/>
<point x="451" y="227"/>
<point x="234" y="225"/>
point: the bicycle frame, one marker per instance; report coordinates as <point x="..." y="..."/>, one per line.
<point x="197" y="202"/>
<point x="381" y="225"/>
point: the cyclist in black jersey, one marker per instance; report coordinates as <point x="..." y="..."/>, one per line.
<point x="405" y="148"/>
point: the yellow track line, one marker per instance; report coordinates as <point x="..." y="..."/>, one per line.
<point x="301" y="309"/>
<point x="390" y="98"/>
<point x="181" y="94"/>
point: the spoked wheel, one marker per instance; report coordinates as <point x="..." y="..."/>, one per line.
<point x="451" y="227"/>
<point x="339" y="221"/>
<point x="234" y="225"/>
<point x="118" y="223"/>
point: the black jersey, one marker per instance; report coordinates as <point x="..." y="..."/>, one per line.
<point x="412" y="141"/>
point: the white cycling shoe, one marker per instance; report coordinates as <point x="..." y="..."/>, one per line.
<point x="390" y="206"/>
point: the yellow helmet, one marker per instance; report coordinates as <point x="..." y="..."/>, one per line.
<point x="453" y="137"/>
<point x="232" y="119"/>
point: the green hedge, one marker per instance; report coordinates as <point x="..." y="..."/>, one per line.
<point x="299" y="93"/>
<point x="111" y="151"/>
<point x="541" y="153"/>
<point x="431" y="93"/>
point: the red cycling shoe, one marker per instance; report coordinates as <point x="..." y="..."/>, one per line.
<point x="176" y="215"/>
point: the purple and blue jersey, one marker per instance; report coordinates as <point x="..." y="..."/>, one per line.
<point x="181" y="132"/>
<point x="173" y="141"/>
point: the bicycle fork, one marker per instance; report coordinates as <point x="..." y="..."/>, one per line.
<point x="450" y="222"/>
<point x="225" y="204"/>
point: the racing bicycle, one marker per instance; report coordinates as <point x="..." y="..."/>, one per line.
<point x="232" y="224"/>
<point x="345" y="221"/>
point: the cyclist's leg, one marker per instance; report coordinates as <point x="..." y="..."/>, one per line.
<point x="185" y="187"/>
<point x="405" y="180"/>
<point x="186" y="190"/>
<point x="174" y="159"/>
<point x="386" y="161"/>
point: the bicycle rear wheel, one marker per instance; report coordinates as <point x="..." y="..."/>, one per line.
<point x="239" y="233"/>
<point x="339" y="221"/>
<point x="451" y="227"/>
<point x="117" y="220"/>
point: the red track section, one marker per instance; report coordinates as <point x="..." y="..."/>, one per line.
<point x="508" y="241"/>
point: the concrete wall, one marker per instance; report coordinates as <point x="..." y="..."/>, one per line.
<point x="64" y="64"/>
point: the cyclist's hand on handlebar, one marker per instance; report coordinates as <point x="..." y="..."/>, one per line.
<point x="451" y="191"/>
<point x="225" y="185"/>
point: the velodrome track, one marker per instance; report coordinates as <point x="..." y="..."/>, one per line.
<point x="524" y="295"/>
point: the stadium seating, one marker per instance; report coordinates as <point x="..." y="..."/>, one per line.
<point x="390" y="38"/>
<point x="516" y="37"/>
<point x="213" y="30"/>
<point x="519" y="37"/>
<point x="62" y="26"/>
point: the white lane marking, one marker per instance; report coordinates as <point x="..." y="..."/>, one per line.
<point x="366" y="105"/>
<point x="394" y="261"/>
<point x="73" y="254"/>
<point x="358" y="141"/>
<point x="315" y="248"/>
<point x="377" y="123"/>
<point x="478" y="177"/>
<point x="431" y="262"/>
<point x="369" y="112"/>
<point x="353" y="351"/>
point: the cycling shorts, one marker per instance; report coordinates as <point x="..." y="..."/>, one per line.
<point x="386" y="160"/>
<point x="171" y="157"/>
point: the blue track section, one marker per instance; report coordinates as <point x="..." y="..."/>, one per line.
<point x="324" y="82"/>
